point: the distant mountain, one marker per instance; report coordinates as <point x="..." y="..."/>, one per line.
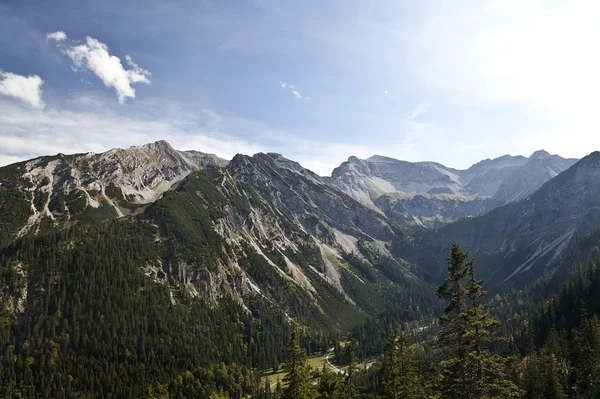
<point x="518" y="242"/>
<point x="431" y="194"/>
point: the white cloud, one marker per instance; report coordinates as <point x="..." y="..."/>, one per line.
<point x="292" y="89"/>
<point x="94" y="56"/>
<point x="28" y="89"/>
<point x="58" y="36"/>
<point x="26" y="133"/>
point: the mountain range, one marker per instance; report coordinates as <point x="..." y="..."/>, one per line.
<point x="185" y="253"/>
<point x="375" y="222"/>
<point x="431" y="194"/>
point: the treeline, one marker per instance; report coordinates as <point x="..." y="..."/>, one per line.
<point x="93" y="325"/>
<point x="90" y="324"/>
<point x="471" y="364"/>
<point x="557" y="356"/>
<point x="563" y="341"/>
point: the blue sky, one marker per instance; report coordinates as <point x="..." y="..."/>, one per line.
<point x="449" y="81"/>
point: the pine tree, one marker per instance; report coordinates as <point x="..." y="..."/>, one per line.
<point x="297" y="371"/>
<point x="553" y="371"/>
<point x="278" y="393"/>
<point x="400" y="379"/>
<point x="348" y="388"/>
<point x="531" y="381"/>
<point x="587" y="348"/>
<point x="467" y="328"/>
<point x="329" y="384"/>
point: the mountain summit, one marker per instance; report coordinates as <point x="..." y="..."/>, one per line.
<point x="432" y="194"/>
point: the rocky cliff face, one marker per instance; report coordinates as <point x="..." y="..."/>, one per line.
<point x="257" y="226"/>
<point x="111" y="184"/>
<point x="431" y="195"/>
<point x="525" y="180"/>
<point x="518" y="242"/>
<point x="264" y="226"/>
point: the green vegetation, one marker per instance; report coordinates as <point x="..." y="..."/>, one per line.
<point x="297" y="371"/>
<point x="471" y="370"/>
<point x="162" y="303"/>
<point x="466" y="359"/>
<point x="400" y="373"/>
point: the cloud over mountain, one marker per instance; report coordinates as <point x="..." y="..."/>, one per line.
<point x="27" y="89"/>
<point x="93" y="55"/>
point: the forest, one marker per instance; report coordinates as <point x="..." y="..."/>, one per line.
<point x="97" y="327"/>
<point x="556" y="355"/>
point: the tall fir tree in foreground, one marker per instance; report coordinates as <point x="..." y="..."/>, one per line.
<point x="400" y="371"/>
<point x="349" y="390"/>
<point x="467" y="330"/>
<point x="297" y="371"/>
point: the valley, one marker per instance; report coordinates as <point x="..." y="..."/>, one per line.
<point x="183" y="251"/>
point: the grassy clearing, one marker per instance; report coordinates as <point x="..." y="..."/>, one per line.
<point x="315" y="362"/>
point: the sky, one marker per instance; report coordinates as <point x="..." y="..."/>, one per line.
<point x="450" y="81"/>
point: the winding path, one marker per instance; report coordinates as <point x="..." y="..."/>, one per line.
<point x="337" y="370"/>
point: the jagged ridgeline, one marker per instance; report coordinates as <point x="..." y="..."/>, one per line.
<point x="147" y="267"/>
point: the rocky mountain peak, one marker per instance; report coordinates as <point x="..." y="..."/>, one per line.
<point x="157" y="145"/>
<point x="594" y="157"/>
<point x="352" y="165"/>
<point x="238" y="163"/>
<point x="540" y="154"/>
<point x="446" y="193"/>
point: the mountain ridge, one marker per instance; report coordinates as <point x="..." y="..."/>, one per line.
<point x="287" y="205"/>
<point x="447" y="194"/>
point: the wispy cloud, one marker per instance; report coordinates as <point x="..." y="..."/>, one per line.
<point x="57" y="36"/>
<point x="27" y="89"/>
<point x="94" y="56"/>
<point x="417" y="111"/>
<point x="27" y="133"/>
<point x="292" y="89"/>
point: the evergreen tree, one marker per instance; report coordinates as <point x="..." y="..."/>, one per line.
<point x="329" y="384"/>
<point x="349" y="390"/>
<point x="531" y="382"/>
<point x="553" y="371"/>
<point x="297" y="371"/>
<point x="278" y="390"/>
<point x="399" y="369"/>
<point x="467" y="328"/>
<point x="587" y="350"/>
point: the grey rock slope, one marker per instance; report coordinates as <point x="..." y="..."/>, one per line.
<point x="102" y="185"/>
<point x="256" y="226"/>
<point x="430" y="194"/>
<point x="348" y="241"/>
<point x="518" y="242"/>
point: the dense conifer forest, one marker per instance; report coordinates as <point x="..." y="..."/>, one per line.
<point x="556" y="354"/>
<point x="95" y="326"/>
